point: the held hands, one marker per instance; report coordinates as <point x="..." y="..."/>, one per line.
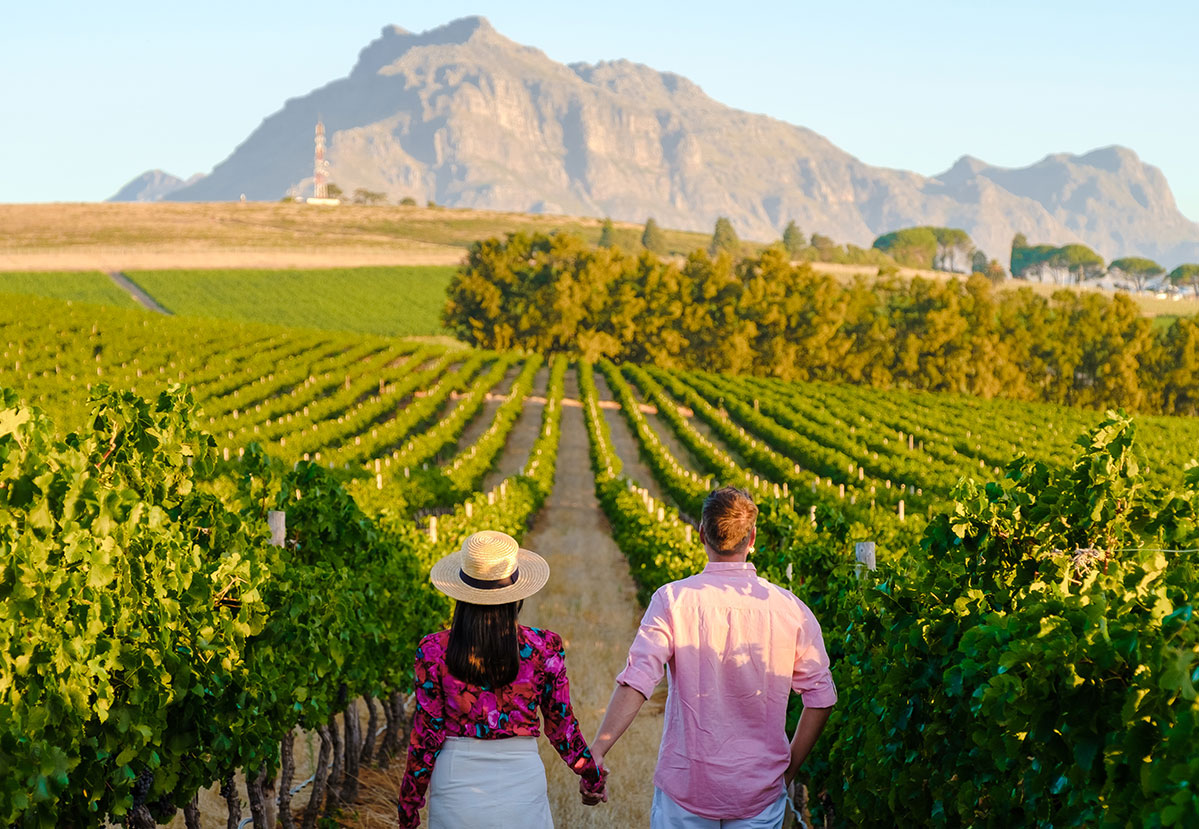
<point x="595" y="798"/>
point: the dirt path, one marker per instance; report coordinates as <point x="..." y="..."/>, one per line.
<point x="625" y="443"/>
<point x="666" y="435"/>
<point x="523" y="435"/>
<point x="707" y="431"/>
<point x="483" y="418"/>
<point x="590" y="600"/>
<point x="134" y="290"/>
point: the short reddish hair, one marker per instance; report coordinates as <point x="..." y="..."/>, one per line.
<point x="728" y="520"/>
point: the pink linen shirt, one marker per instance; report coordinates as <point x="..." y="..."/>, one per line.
<point x="735" y="646"/>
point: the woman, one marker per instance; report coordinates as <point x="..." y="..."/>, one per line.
<point x="478" y="688"/>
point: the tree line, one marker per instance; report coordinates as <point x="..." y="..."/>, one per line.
<point x="764" y="314"/>
<point x="800" y="246"/>
<point x="1077" y="263"/>
<point x="952" y="249"/>
<point x="938" y="248"/>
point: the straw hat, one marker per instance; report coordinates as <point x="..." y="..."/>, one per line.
<point x="490" y="569"/>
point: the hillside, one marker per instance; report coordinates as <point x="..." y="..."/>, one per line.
<point x="266" y="235"/>
<point x="234" y="236"/>
<point x="463" y="116"/>
<point x="152" y="185"/>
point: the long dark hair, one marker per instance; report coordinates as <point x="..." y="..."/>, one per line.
<point x="483" y="648"/>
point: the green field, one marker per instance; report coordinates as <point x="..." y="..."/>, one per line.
<point x="392" y="301"/>
<point x="86" y="286"/>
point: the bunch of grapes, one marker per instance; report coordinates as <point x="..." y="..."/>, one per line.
<point x="141" y="787"/>
<point x="163" y="809"/>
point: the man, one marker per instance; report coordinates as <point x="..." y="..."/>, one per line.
<point x="735" y="646"/>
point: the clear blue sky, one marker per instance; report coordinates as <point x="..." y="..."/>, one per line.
<point x="93" y="94"/>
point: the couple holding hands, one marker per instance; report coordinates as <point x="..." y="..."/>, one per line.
<point x="735" y="647"/>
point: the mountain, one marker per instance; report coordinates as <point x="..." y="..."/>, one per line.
<point x="465" y="117"/>
<point x="152" y="185"/>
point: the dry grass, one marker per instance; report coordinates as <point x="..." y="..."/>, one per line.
<point x="201" y="257"/>
<point x="591" y="601"/>
<point x="161" y="235"/>
<point x="213" y="809"/>
<point x="1150" y="305"/>
<point x="165" y="235"/>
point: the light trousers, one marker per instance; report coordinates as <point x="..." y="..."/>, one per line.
<point x="666" y="814"/>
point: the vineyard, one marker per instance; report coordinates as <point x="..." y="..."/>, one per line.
<point x="394" y="301"/>
<point x="217" y="537"/>
<point x="83" y="286"/>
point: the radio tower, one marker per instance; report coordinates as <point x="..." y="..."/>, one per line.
<point x="320" y="167"/>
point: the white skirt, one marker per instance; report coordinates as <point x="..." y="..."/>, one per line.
<point x="489" y="783"/>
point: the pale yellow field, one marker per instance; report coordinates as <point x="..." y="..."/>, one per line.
<point x="167" y="235"/>
<point x="162" y="235"/>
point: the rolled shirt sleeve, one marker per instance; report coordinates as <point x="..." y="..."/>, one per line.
<point x="811" y="677"/>
<point x="651" y="649"/>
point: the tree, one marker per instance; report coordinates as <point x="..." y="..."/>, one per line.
<point x="1079" y="260"/>
<point x="1186" y="275"/>
<point x="333" y="191"/>
<point x="822" y="243"/>
<point x="408" y="201"/>
<point x="995" y="272"/>
<point x="1016" y="262"/>
<point x="1180" y="365"/>
<point x="364" y="196"/>
<point x="951" y="242"/>
<point x="607" y="234"/>
<point x="1138" y="269"/>
<point x="978" y="262"/>
<point x="933" y="248"/>
<point x="652" y="238"/>
<point x="793" y="240"/>
<point x="724" y="238"/>
<point x="1035" y="261"/>
<point x="914" y="247"/>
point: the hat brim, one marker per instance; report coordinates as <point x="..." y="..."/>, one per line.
<point x="533" y="573"/>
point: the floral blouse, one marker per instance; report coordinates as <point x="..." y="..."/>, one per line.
<point x="448" y="707"/>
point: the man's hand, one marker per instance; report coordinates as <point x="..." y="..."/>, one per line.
<point x="595" y="798"/>
<point x="789" y="774"/>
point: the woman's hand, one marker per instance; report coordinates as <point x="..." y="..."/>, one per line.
<point x="591" y="798"/>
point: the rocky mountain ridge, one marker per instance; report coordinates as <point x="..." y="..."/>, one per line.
<point x="152" y="185"/>
<point x="465" y="117"/>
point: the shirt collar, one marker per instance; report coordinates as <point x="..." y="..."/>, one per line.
<point x="730" y="567"/>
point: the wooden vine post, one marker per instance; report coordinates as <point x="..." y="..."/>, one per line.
<point x="276" y="520"/>
<point x="864" y="553"/>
